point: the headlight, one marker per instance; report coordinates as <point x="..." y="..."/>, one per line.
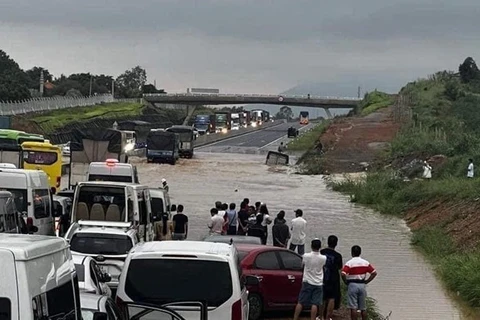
<point x="254" y="124"/>
<point x="224" y="130"/>
<point x="129" y="147"/>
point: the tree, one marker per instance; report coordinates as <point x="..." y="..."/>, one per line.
<point x="285" y="113"/>
<point x="130" y="83"/>
<point x="34" y="77"/>
<point x="13" y="81"/>
<point x="150" y="88"/>
<point x="469" y="70"/>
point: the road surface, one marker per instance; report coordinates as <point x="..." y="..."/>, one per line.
<point x="252" y="143"/>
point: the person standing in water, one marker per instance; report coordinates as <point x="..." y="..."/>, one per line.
<point x="470" y="169"/>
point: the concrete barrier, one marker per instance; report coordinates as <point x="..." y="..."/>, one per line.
<point x="212" y="138"/>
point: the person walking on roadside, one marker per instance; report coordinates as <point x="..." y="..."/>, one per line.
<point x="331" y="280"/>
<point x="257" y="230"/>
<point x="232" y="219"/>
<point x="470" y="169"/>
<point x="164" y="228"/>
<point x="243" y="219"/>
<point x="427" y="170"/>
<point x="311" y="292"/>
<point x="298" y="228"/>
<point x="165" y="185"/>
<point x="216" y="223"/>
<point x="280" y="231"/>
<point x="180" y="224"/>
<point x="354" y="274"/>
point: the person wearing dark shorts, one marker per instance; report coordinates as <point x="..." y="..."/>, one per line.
<point x="331" y="280"/>
<point x="311" y="293"/>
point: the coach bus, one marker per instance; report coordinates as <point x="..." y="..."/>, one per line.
<point x="46" y="157"/>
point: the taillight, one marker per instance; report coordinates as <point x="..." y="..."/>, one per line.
<point x="59" y="180"/>
<point x="237" y="310"/>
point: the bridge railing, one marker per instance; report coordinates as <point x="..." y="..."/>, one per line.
<point x="227" y="95"/>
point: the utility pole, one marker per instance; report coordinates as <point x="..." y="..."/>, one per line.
<point x="113" y="89"/>
<point x="41" y="83"/>
<point x="358" y="92"/>
<point x="91" y="79"/>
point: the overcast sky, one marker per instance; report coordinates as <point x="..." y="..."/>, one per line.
<point x="254" y="46"/>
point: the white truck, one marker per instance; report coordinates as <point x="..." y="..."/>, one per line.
<point x="235" y="121"/>
<point x="38" y="279"/>
<point x="94" y="145"/>
<point x="112" y="170"/>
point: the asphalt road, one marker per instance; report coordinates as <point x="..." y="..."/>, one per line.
<point x="254" y="140"/>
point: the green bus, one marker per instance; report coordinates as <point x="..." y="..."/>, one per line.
<point x="15" y="138"/>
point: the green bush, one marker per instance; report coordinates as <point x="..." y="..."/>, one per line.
<point x="373" y="101"/>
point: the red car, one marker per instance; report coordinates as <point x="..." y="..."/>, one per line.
<point x="280" y="272"/>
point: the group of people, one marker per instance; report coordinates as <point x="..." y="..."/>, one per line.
<point x="322" y="273"/>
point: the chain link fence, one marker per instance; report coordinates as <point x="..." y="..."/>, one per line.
<point x="45" y="104"/>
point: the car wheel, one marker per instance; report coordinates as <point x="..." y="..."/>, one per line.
<point x="256" y="306"/>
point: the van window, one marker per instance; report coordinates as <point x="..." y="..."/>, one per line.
<point x="41" y="203"/>
<point x="8" y="217"/>
<point x="97" y="243"/>
<point x="5" y="309"/>
<point x="58" y="303"/>
<point x="20" y="198"/>
<point x="178" y="280"/>
<point x="157" y="206"/>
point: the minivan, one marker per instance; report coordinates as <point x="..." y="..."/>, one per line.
<point x="38" y="279"/>
<point x="177" y="273"/>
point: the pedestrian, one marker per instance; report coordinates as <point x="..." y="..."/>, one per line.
<point x="180" y="224"/>
<point x="252" y="215"/>
<point x="164" y="184"/>
<point x="299" y="225"/>
<point x="223" y="213"/>
<point x="354" y="274"/>
<point x="266" y="220"/>
<point x="164" y="228"/>
<point x="281" y="148"/>
<point x="257" y="206"/>
<point x="232" y="219"/>
<point x="311" y="292"/>
<point x="280" y="231"/>
<point x="331" y="280"/>
<point x="257" y="230"/>
<point x="243" y="219"/>
<point x="427" y="170"/>
<point x="216" y="222"/>
<point x="246" y="201"/>
<point x="470" y="169"/>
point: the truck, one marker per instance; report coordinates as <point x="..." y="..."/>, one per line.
<point x="202" y="123"/>
<point x="162" y="146"/>
<point x="245" y="118"/>
<point x="223" y="122"/>
<point x="304" y="117"/>
<point x="265" y="116"/>
<point x="185" y="137"/>
<point x="257" y="117"/>
<point x="235" y="121"/>
<point x="94" y="145"/>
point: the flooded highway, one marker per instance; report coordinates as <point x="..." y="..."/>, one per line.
<point x="405" y="285"/>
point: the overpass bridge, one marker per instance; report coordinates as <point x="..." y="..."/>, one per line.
<point x="311" y="101"/>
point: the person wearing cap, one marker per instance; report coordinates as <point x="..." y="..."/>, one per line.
<point x="164" y="184"/>
<point x="298" y="235"/>
<point x="311" y="292"/>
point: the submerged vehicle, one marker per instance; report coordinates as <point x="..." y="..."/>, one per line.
<point x="304" y="117"/>
<point x="162" y="146"/>
<point x="223" y="122"/>
<point x="185" y="138"/>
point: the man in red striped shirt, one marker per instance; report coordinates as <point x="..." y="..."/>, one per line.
<point x="354" y="274"/>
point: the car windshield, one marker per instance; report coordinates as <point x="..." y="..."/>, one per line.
<point x="98" y="243"/>
<point x="178" y="280"/>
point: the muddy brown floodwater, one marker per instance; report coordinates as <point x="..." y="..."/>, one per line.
<point x="405" y="285"/>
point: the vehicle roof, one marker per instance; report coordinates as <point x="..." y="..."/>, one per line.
<point x="90" y="300"/>
<point x="5" y="194"/>
<point x="116" y="163"/>
<point x="248" y="247"/>
<point x="183" y="247"/>
<point x="157" y="191"/>
<point x="237" y="239"/>
<point x="181" y="127"/>
<point x="105" y="230"/>
<point x="111" y="184"/>
<point x="23" y="171"/>
<point x="26" y="247"/>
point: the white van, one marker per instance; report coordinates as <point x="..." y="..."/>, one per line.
<point x="38" y="279"/>
<point x="112" y="170"/>
<point x="177" y="272"/>
<point x="31" y="192"/>
<point x="113" y="202"/>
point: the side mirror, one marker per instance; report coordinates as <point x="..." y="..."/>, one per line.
<point x="106" y="277"/>
<point x="100" y="316"/>
<point x="173" y="207"/>
<point x="252" y="281"/>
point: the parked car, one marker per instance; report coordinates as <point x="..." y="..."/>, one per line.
<point x="91" y="278"/>
<point x="233" y="239"/>
<point x="98" y="307"/>
<point x="209" y="272"/>
<point x="279" y="272"/>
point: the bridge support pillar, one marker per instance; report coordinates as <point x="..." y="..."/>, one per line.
<point x="190" y="111"/>
<point x="329" y="114"/>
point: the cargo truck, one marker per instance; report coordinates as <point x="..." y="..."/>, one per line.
<point x="223" y="122"/>
<point x="202" y="123"/>
<point x="185" y="137"/>
<point x="235" y="121"/>
<point x="245" y="118"/>
<point x="162" y="146"/>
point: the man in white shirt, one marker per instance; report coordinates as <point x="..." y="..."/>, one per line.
<point x="216" y="223"/>
<point x="298" y="235"/>
<point x="312" y="284"/>
<point x="470" y="169"/>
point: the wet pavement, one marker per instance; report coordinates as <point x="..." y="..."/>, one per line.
<point x="405" y="285"/>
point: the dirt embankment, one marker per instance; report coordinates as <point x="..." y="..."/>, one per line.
<point x="352" y="144"/>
